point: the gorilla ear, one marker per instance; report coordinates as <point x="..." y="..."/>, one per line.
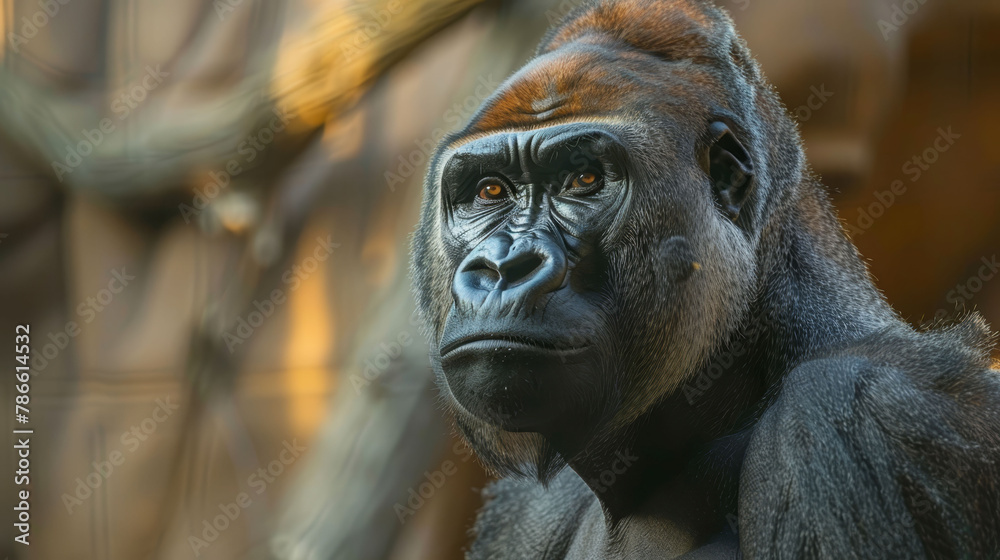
<point x="729" y="166"/>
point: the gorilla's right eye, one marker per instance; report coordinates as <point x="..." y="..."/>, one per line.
<point x="584" y="183"/>
<point x="491" y="190"/>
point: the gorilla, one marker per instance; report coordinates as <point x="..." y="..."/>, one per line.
<point x="625" y="267"/>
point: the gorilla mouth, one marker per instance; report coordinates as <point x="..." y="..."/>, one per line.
<point x="489" y="341"/>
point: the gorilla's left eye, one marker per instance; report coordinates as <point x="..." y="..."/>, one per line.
<point x="491" y="190"/>
<point x="584" y="183"/>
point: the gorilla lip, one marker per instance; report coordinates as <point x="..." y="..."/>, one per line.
<point x="493" y="341"/>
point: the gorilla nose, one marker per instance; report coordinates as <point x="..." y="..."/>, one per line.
<point x="519" y="271"/>
<point x="517" y="268"/>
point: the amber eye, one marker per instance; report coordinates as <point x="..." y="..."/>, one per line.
<point x="584" y="181"/>
<point x="491" y="191"/>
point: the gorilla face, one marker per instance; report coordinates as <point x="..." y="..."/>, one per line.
<point x="582" y="247"/>
<point x="528" y="211"/>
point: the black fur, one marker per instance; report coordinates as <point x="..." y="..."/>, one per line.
<point x="697" y="339"/>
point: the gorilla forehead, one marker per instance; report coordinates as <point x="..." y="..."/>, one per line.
<point x="588" y="82"/>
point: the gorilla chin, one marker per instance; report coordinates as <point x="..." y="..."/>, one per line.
<point x="515" y="379"/>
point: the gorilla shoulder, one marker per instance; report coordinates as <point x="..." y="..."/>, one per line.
<point x="889" y="446"/>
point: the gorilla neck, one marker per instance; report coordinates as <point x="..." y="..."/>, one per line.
<point x="815" y="296"/>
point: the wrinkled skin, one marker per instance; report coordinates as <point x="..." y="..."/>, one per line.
<point x="626" y="269"/>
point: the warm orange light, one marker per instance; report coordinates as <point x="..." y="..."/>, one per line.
<point x="307" y="376"/>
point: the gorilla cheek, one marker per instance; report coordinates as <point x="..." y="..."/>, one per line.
<point x="655" y="336"/>
<point x="677" y="259"/>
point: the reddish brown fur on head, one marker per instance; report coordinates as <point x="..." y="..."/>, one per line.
<point x="672" y="30"/>
<point x="596" y="64"/>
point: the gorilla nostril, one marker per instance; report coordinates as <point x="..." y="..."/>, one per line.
<point x="520" y="267"/>
<point x="482" y="273"/>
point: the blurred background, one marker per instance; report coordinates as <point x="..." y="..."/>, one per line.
<point x="204" y="217"/>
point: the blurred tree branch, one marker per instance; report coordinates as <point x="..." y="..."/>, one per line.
<point x="322" y="67"/>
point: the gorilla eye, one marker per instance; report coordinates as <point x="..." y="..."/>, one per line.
<point x="584" y="179"/>
<point x="584" y="183"/>
<point x="491" y="190"/>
